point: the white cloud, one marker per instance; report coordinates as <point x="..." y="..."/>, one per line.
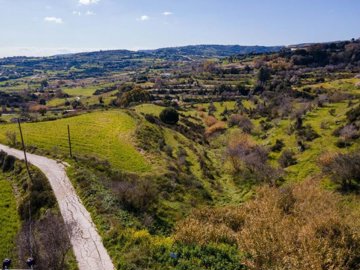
<point x="53" y="20"/>
<point x="144" y="18"/>
<point x="88" y="2"/>
<point x="90" y="13"/>
<point x="87" y="13"/>
<point x="43" y="51"/>
<point x="167" y="13"/>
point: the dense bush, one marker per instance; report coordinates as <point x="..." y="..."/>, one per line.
<point x="216" y="257"/>
<point x="300" y="227"/>
<point x="241" y="121"/>
<point x="11" y="138"/>
<point x="150" y="118"/>
<point x="219" y="126"/>
<point x="287" y="159"/>
<point x="250" y="159"/>
<point x="307" y="133"/>
<point x="344" y="169"/>
<point x="135" y="195"/>
<point x="50" y="242"/>
<point x="278" y="146"/>
<point x="354" y="114"/>
<point x="39" y="192"/>
<point x="7" y="162"/>
<point x="169" y="116"/>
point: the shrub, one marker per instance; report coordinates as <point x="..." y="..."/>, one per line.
<point x="210" y="120"/>
<point x="217" y="257"/>
<point x="278" y="146"/>
<point x="169" y="116"/>
<point x="11" y="138"/>
<point x="265" y="125"/>
<point x="8" y="163"/>
<point x="307" y="133"/>
<point x="354" y="114"/>
<point x="287" y="159"/>
<point x="218" y="127"/>
<point x="248" y="158"/>
<point x="342" y="168"/>
<point x="40" y="196"/>
<point x="300" y="227"/>
<point x="168" y="150"/>
<point x="212" y="109"/>
<point x="2" y="157"/>
<point x="51" y="244"/>
<point x="241" y="121"/>
<point x="150" y="118"/>
<point x="135" y="194"/>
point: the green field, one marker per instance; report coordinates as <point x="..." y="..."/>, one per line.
<point x="344" y="85"/>
<point x="9" y="219"/>
<point x="149" y="109"/>
<point x="107" y="135"/>
<point x="81" y="91"/>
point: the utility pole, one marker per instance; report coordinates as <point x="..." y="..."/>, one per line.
<point x="24" y="149"/>
<point x="69" y="138"/>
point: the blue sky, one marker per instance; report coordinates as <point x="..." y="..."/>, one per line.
<point x="45" y="27"/>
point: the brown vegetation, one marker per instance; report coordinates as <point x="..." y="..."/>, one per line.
<point x="301" y="227"/>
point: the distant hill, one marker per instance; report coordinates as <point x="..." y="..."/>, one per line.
<point x="212" y="50"/>
<point x="101" y="62"/>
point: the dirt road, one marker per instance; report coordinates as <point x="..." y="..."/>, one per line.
<point x="87" y="245"/>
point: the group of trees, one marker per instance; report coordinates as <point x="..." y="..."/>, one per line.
<point x="324" y="54"/>
<point x="132" y="96"/>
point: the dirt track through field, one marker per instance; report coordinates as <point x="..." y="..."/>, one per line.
<point x="86" y="242"/>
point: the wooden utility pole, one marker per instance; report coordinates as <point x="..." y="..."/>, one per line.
<point x="69" y="138"/>
<point x="24" y="149"/>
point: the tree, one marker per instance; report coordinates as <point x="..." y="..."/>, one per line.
<point x="263" y="75"/>
<point x="42" y="102"/>
<point x="169" y="116"/>
<point x="51" y="242"/>
<point x="136" y="95"/>
<point x="42" y="110"/>
<point x="44" y="84"/>
<point x="212" y="108"/>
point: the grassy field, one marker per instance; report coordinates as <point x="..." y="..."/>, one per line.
<point x="307" y="161"/>
<point x="344" y="85"/>
<point x="9" y="219"/>
<point x="81" y="91"/>
<point x="149" y="109"/>
<point x="107" y="135"/>
<point x="86" y="91"/>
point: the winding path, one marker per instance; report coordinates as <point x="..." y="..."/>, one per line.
<point x="86" y="242"/>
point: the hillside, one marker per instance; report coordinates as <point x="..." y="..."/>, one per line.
<point x="227" y="161"/>
<point x="211" y="51"/>
<point x="103" y="62"/>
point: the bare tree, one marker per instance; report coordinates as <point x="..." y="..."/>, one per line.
<point x="48" y="242"/>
